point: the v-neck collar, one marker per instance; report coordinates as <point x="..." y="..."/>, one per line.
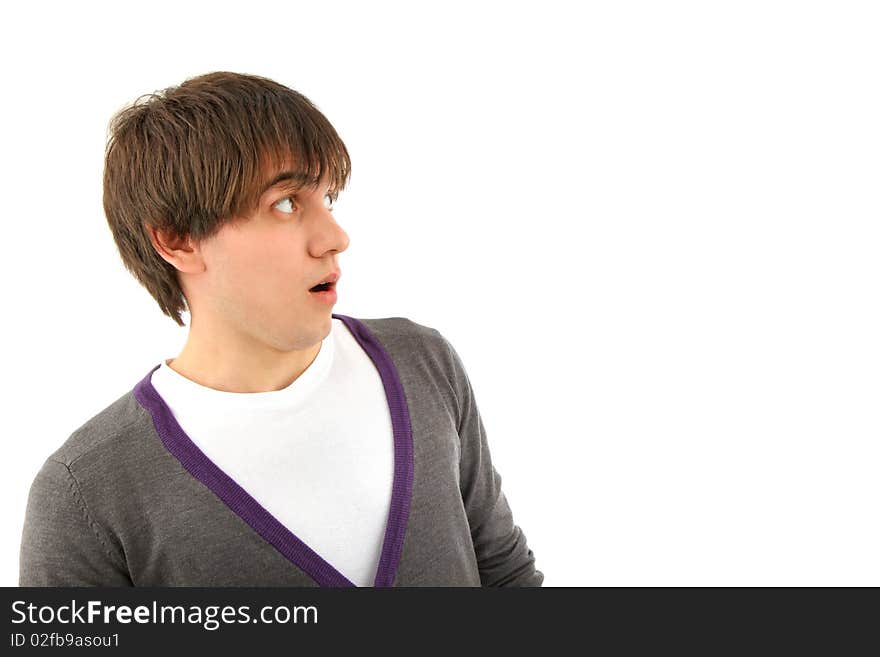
<point x="264" y="523"/>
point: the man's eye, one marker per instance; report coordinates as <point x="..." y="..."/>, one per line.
<point x="289" y="206"/>
<point x="286" y="199"/>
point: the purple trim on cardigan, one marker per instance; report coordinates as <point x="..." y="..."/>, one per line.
<point x="196" y="462"/>
<point x="401" y="491"/>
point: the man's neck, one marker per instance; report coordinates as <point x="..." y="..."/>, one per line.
<point x="242" y="373"/>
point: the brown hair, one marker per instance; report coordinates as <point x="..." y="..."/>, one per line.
<point x="190" y="159"/>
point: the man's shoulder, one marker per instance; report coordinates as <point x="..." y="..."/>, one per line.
<point x="103" y="434"/>
<point x="392" y="325"/>
<point x="417" y="348"/>
<point x="403" y="332"/>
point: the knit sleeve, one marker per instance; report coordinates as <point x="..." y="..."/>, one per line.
<point x="503" y="556"/>
<point x="61" y="543"/>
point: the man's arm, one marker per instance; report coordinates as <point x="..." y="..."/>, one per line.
<point x="61" y="544"/>
<point x="503" y="556"/>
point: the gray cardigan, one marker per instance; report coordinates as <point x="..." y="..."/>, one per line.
<point x="130" y="500"/>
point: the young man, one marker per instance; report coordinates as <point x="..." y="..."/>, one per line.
<point x="285" y="445"/>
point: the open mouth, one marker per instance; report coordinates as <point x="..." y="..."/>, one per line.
<point x="322" y="287"/>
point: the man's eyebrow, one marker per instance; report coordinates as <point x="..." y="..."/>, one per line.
<point x="289" y="176"/>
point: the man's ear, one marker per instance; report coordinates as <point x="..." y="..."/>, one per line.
<point x="179" y="251"/>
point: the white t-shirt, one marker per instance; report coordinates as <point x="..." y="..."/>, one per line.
<point x="318" y="455"/>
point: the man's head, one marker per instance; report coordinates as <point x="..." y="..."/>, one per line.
<point x="185" y="195"/>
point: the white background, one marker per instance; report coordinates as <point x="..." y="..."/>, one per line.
<point x="649" y="229"/>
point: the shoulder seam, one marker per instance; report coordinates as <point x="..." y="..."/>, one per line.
<point x="103" y="439"/>
<point x="81" y="503"/>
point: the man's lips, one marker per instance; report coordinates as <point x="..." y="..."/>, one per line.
<point x="326" y="295"/>
<point x="330" y="279"/>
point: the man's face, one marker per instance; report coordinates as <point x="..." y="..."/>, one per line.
<point x="259" y="270"/>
